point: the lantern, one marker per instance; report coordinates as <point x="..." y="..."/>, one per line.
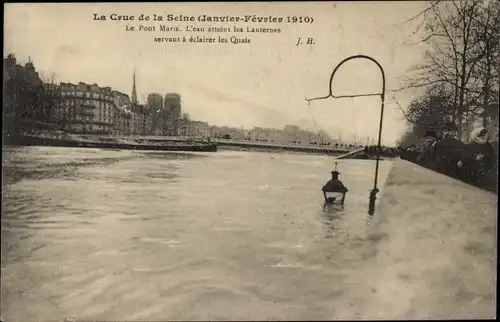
<point x="334" y="191"/>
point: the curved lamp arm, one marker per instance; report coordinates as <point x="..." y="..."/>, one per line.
<point x="374" y="191"/>
<point x="330" y="94"/>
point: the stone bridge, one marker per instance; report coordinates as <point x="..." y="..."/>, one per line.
<point x="253" y="145"/>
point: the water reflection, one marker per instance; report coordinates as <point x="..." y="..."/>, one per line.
<point x="125" y="235"/>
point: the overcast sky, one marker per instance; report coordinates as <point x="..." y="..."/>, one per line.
<point x="263" y="83"/>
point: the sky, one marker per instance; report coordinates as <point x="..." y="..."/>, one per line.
<point x="262" y="83"/>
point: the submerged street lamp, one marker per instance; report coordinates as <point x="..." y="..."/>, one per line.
<point x="375" y="190"/>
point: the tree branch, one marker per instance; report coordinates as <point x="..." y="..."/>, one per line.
<point x="423" y="12"/>
<point x="404" y="113"/>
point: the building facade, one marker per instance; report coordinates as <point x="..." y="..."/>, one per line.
<point x="140" y="120"/>
<point x="155" y="107"/>
<point x="82" y="108"/>
<point x="89" y="109"/>
<point x="172" y="113"/>
<point x="195" y="129"/>
<point x="123" y="114"/>
<point x="24" y="104"/>
<point x="124" y="124"/>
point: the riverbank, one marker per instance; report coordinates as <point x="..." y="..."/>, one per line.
<point x="490" y="184"/>
<point x="434" y="250"/>
<point x="73" y="141"/>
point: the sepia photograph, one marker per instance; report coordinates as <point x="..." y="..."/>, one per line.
<point x="250" y="161"/>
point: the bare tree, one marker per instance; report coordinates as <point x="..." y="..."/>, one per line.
<point x="486" y="28"/>
<point x="451" y="57"/>
<point x="431" y="109"/>
<point x="463" y="54"/>
<point x="49" y="105"/>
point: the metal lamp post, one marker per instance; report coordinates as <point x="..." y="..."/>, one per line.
<point x="375" y="190"/>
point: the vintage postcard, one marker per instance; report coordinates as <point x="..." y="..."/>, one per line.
<point x="250" y="160"/>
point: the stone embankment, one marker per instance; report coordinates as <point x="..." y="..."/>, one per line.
<point x="431" y="250"/>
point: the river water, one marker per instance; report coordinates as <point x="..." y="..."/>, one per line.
<point x="122" y="235"/>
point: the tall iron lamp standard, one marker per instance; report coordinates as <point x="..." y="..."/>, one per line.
<point x="375" y="190"/>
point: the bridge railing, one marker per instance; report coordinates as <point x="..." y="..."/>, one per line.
<point x="236" y="142"/>
<point x="278" y="145"/>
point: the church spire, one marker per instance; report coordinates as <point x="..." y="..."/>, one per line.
<point x="134" y="92"/>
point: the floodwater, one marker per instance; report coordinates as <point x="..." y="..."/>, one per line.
<point x="91" y="234"/>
